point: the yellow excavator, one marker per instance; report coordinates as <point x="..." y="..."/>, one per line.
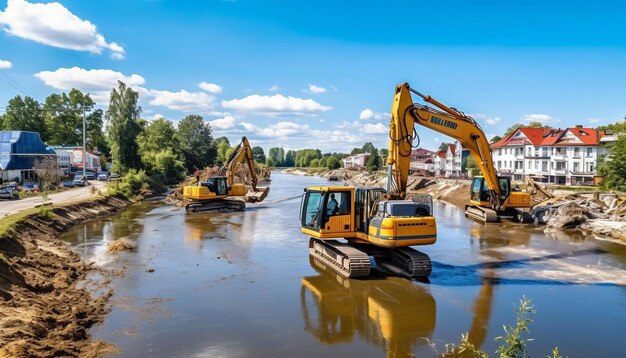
<point x="217" y="193"/>
<point x="491" y="196"/>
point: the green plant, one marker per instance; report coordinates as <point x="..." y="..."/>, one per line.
<point x="513" y="342"/>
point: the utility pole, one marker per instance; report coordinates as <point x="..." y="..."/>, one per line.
<point x="84" y="145"/>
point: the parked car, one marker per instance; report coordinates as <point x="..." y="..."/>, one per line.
<point x="31" y="187"/>
<point x="114" y="176"/>
<point x="80" y="181"/>
<point x="67" y="184"/>
<point x="90" y="174"/>
<point x="103" y="176"/>
<point x="8" y="192"/>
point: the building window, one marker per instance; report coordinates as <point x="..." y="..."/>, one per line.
<point x="589" y="149"/>
<point x="544" y="152"/>
<point x="576" y="166"/>
<point x="544" y="166"/>
<point x="576" y="151"/>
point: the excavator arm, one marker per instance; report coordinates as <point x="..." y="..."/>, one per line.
<point x="243" y="153"/>
<point x="445" y="120"/>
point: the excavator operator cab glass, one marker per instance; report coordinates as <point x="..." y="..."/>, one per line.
<point x="311" y="214"/>
<point x="337" y="203"/>
<point x="479" y="190"/>
<point x="505" y="186"/>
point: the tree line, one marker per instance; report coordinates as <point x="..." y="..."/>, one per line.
<point x="314" y="158"/>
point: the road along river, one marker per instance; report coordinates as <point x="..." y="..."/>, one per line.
<point x="241" y="284"/>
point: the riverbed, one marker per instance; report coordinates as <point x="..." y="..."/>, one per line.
<point x="241" y="284"/>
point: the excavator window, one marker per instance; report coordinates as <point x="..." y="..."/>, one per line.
<point x="311" y="212"/>
<point x="338" y="203"/>
<point x="505" y="186"/>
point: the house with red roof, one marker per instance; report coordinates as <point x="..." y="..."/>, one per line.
<point x="439" y="163"/>
<point x="421" y="162"/>
<point x="560" y="156"/>
<point x="456" y="157"/>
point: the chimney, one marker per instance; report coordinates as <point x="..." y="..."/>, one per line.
<point x="579" y="126"/>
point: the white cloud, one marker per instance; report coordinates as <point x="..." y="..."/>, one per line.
<point x="377" y="128"/>
<point x="348" y="125"/>
<point x="182" y="100"/>
<point x="87" y="80"/>
<point x="98" y="83"/>
<point x="5" y="64"/>
<point x="368" y="114"/>
<point x="275" y="105"/>
<point x="539" y="117"/>
<point x="594" y="120"/>
<point x="54" y="25"/>
<point x="488" y="120"/>
<point x="210" y="87"/>
<point x="315" y="89"/>
<point x="274" y="88"/>
<point x="157" y="116"/>
<point x="278" y="130"/>
<point x="227" y="122"/>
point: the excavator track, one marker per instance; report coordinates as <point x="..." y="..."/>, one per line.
<point x="405" y="262"/>
<point x="344" y="259"/>
<point x="222" y="204"/>
<point x="481" y="214"/>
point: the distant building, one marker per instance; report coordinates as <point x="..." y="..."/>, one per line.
<point x="560" y="156"/>
<point x="18" y="151"/>
<point x="356" y="161"/>
<point x="422" y="162"/>
<point x="456" y="160"/>
<point x="71" y="159"/>
<point x="439" y="163"/>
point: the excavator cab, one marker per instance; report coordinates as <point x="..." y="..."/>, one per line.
<point x="480" y="194"/>
<point x="327" y="210"/>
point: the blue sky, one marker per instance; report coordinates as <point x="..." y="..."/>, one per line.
<point x="321" y="74"/>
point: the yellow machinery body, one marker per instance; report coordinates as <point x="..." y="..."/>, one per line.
<point x="361" y="217"/>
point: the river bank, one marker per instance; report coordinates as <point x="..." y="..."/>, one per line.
<point x="49" y="296"/>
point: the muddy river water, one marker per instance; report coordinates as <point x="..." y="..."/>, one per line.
<point x="241" y="284"/>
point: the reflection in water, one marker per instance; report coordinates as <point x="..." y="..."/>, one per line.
<point x="394" y="314"/>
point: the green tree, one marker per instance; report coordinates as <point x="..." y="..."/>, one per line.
<point x="444" y="146"/>
<point x="196" y="143"/>
<point x="356" y="151"/>
<point x="315" y="163"/>
<point x="369" y="148"/>
<point x="169" y="166"/>
<point x="277" y="155"/>
<point x="613" y="167"/>
<point x="123" y="116"/>
<point x="333" y="163"/>
<point x="258" y="154"/>
<point x="24" y="115"/>
<point x="290" y="158"/>
<point x="495" y="138"/>
<point x="373" y="163"/>
<point x="158" y="135"/>
<point x="471" y="166"/>
<point x="222" y="145"/>
<point x="64" y="120"/>
<point x="618" y="127"/>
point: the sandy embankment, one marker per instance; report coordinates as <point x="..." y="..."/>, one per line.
<point x="44" y="308"/>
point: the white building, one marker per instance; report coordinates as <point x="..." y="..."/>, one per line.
<point x="71" y="158"/>
<point x="439" y="163"/>
<point x="560" y="156"/>
<point x="356" y="161"/>
<point x="454" y="167"/>
<point x="421" y="162"/>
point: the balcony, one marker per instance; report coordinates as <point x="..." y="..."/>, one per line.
<point x="560" y="171"/>
<point x="537" y="156"/>
<point x="581" y="173"/>
<point x="559" y="157"/>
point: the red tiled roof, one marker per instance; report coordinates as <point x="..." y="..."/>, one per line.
<point x="441" y="153"/>
<point x="421" y="151"/>
<point x="550" y="136"/>
<point x="452" y="148"/>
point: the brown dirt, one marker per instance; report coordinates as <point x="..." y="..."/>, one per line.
<point x="122" y="244"/>
<point x="44" y="311"/>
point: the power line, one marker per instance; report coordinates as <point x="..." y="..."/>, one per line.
<point x="14" y="85"/>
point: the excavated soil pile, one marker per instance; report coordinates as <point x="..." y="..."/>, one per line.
<point x="122" y="244"/>
<point x="242" y="176"/>
<point x="604" y="218"/>
<point x="43" y="309"/>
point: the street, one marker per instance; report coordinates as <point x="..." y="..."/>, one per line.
<point x="9" y="207"/>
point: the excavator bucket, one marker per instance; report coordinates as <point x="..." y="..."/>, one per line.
<point x="257" y="196"/>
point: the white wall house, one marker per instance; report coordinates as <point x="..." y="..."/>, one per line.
<point x="439" y="163"/>
<point x="356" y="161"/>
<point x="560" y="156"/>
<point x="454" y="161"/>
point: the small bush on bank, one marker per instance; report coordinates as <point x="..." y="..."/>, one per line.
<point x="132" y="184"/>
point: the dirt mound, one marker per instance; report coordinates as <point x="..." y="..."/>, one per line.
<point x="44" y="311"/>
<point x="122" y="244"/>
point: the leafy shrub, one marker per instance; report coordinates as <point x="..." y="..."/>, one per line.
<point x="132" y="184"/>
